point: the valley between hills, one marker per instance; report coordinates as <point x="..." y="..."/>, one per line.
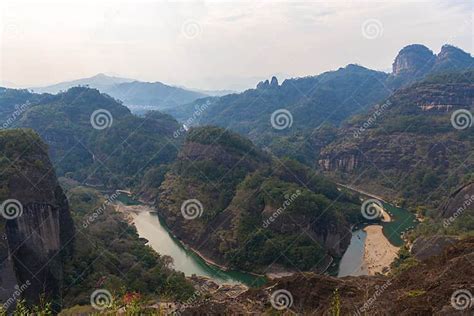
<point x="347" y="192"/>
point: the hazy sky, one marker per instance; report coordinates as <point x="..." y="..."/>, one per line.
<point x="216" y="44"/>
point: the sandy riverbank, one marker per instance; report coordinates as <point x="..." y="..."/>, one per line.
<point x="129" y="212"/>
<point x="379" y="253"/>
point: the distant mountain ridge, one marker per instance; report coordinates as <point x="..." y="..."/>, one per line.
<point x="144" y="96"/>
<point x="139" y="96"/>
<point x="328" y="98"/>
<point x="99" y="81"/>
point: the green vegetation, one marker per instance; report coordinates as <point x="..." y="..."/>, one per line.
<point x="336" y="303"/>
<point x="212" y="135"/>
<point x="110" y="255"/>
<point x="269" y="234"/>
<point x="416" y="293"/>
<point x="19" y="148"/>
<point x="411" y="151"/>
<point x="22" y="309"/>
<point x="403" y="262"/>
<point x="117" y="156"/>
<point x="311" y="101"/>
<point x="451" y="77"/>
<point x="268" y="201"/>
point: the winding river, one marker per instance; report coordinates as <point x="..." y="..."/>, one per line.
<point x="352" y="262"/>
<point x="151" y="227"/>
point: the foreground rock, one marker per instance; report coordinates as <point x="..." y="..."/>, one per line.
<point x="426" y="247"/>
<point x="424" y="289"/>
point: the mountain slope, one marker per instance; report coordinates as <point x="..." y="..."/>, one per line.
<point x="57" y="249"/>
<point x="450" y="59"/>
<point x="145" y="96"/>
<point x="93" y="138"/>
<point x="232" y="203"/>
<point x="329" y="97"/>
<point x="409" y="147"/>
<point x="110" y="254"/>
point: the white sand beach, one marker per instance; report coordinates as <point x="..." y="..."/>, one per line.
<point x="379" y="253"/>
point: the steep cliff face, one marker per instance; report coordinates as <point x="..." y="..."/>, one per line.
<point x="411" y="145"/>
<point x="38" y="226"/>
<point x="232" y="203"/>
<point x="461" y="201"/>
<point x="346" y="161"/>
<point x="414" y="60"/>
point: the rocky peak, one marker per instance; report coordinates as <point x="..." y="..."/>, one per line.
<point x="263" y="84"/>
<point x="449" y="51"/>
<point x="413" y="59"/>
<point x="274" y="82"/>
<point x="453" y="58"/>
